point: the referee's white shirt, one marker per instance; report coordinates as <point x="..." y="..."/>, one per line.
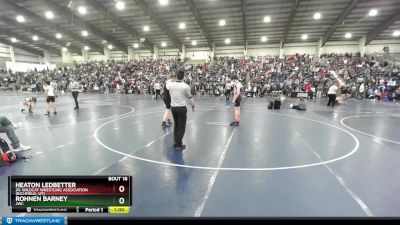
<point x="179" y="92"/>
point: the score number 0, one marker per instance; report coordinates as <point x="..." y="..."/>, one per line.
<point x="121" y="189"/>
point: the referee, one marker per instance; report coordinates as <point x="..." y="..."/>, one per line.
<point x="179" y="92"/>
<point x="75" y="88"/>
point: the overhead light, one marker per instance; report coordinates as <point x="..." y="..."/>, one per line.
<point x="120" y="5"/>
<point x="163" y="2"/>
<point x="49" y="15"/>
<point x="136" y="45"/>
<point x="267" y="19"/>
<point x="58" y="36"/>
<point x="304" y="37"/>
<point x="264" y="38"/>
<point x="13" y="40"/>
<point x="146" y="28"/>
<point x="20" y="19"/>
<point x="396" y="33"/>
<point x="317" y="16"/>
<point x="86" y="48"/>
<point x="35" y="38"/>
<point x="373" y="12"/>
<point x="227" y="41"/>
<point x="82" y="10"/>
<point x="110" y="47"/>
<point x="182" y="26"/>
<point x="84" y="33"/>
<point x="222" y="22"/>
<point x="348" y="35"/>
<point x="163" y="44"/>
<point x="64" y="49"/>
<point x="194" y="43"/>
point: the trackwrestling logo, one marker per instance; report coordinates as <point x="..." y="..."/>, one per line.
<point x="33" y="220"/>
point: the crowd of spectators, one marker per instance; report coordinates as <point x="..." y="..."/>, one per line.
<point x="358" y="76"/>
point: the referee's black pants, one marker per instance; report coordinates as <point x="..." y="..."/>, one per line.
<point x="180" y="117"/>
<point x="75" y="96"/>
<point x="332" y="100"/>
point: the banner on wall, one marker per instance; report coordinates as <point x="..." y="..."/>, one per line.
<point x="25" y="67"/>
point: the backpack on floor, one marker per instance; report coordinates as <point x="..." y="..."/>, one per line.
<point x="270" y="105"/>
<point x="7" y="155"/>
<point x="277" y="104"/>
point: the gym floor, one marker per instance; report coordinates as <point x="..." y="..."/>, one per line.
<point x="320" y="162"/>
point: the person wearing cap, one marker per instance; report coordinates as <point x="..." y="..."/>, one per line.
<point x="237" y="98"/>
<point x="180" y="93"/>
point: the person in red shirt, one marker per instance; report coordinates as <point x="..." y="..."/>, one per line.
<point x="308" y="90"/>
<point x="308" y="87"/>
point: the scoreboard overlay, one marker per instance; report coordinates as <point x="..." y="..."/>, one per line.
<point x="70" y="194"/>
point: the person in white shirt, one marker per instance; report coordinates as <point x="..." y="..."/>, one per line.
<point x="157" y="89"/>
<point x="75" y="88"/>
<point x="237" y="88"/>
<point x="332" y="94"/>
<point x="361" y="91"/>
<point x="180" y="95"/>
<point x="50" y="95"/>
<point x="118" y="88"/>
<point x="29" y="103"/>
<point x="228" y="89"/>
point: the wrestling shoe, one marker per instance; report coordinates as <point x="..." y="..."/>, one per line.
<point x="22" y="148"/>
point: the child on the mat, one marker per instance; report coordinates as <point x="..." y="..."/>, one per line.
<point x="301" y="104"/>
<point x="29" y="103"/>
